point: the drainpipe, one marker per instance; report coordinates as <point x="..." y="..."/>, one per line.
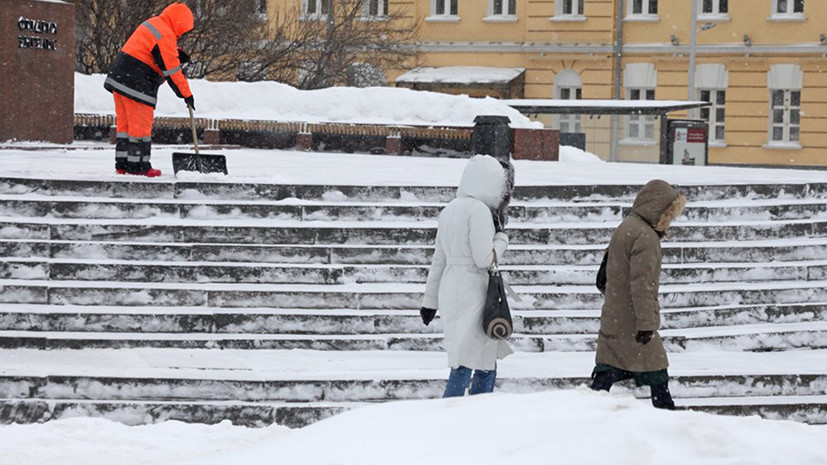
<point x="618" y="56"/>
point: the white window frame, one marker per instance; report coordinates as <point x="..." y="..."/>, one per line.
<point x="505" y="9"/>
<point x="716" y="14"/>
<point x="576" y="10"/>
<point x="318" y="9"/>
<point x="642" y="124"/>
<point x="714" y="114"/>
<point x="786" y="81"/>
<point x="381" y="9"/>
<point x="640" y="80"/>
<point x="788" y="13"/>
<point x="713" y="78"/>
<point x="568" y="86"/>
<point x="450" y="11"/>
<point x="644" y="14"/>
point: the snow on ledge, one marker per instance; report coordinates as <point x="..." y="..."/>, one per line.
<point x="461" y="75"/>
<point x="269" y="100"/>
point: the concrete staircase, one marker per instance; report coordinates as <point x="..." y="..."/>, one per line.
<point x="183" y="268"/>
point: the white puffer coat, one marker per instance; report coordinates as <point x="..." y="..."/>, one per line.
<point x="464" y="249"/>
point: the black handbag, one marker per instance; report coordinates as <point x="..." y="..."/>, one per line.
<point x="600" y="282"/>
<point x="496" y="317"/>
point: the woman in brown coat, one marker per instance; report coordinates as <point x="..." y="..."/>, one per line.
<point x="628" y="344"/>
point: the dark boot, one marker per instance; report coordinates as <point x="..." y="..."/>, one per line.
<point x="145" y="147"/>
<point x="121" y="154"/>
<point x="602" y="380"/>
<point x="661" y="397"/>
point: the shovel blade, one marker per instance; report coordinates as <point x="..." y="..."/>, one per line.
<point x="202" y="162"/>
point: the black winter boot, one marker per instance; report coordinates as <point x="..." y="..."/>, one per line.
<point x="661" y="397"/>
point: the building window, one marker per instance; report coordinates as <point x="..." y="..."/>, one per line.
<point x="443" y="7"/>
<point x="567" y="86"/>
<point x="714" y="114"/>
<point x="785" y="116"/>
<point x="715" y="8"/>
<point x="640" y="127"/>
<point x="375" y="8"/>
<point x="502" y="8"/>
<point x="569" y="8"/>
<point x="643" y="7"/>
<point x="785" y="83"/>
<point x="788" y="7"/>
<point x="316" y="9"/>
<point x="711" y="80"/>
<point x="640" y="81"/>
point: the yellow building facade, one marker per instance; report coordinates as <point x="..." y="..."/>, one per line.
<point x="760" y="62"/>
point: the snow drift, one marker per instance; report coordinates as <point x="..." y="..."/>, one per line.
<point x="573" y="427"/>
<point x="269" y="100"/>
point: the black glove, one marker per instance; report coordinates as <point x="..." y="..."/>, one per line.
<point x="644" y="337"/>
<point x="427" y="315"/>
<point x="183" y="57"/>
<point x="190" y="101"/>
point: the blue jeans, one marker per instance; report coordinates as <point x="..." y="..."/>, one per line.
<point x="458" y="380"/>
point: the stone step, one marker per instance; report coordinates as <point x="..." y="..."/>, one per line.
<point x="807" y="409"/>
<point x="224" y="272"/>
<point x="58" y="318"/>
<point x="773" y="250"/>
<point x="133" y="413"/>
<point x="113" y="388"/>
<point x="365" y="233"/>
<point x="165" y="189"/>
<point x="608" y="211"/>
<point x="381" y="296"/>
<point x="778" y="336"/>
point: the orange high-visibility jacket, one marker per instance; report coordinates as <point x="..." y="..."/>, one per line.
<point x="150" y="56"/>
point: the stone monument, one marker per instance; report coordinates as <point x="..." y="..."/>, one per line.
<point x="37" y="63"/>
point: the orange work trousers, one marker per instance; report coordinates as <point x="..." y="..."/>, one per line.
<point x="134" y="125"/>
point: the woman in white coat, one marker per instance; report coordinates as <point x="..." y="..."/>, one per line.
<point x="469" y="233"/>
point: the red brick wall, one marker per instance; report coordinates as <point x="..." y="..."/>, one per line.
<point x="535" y="144"/>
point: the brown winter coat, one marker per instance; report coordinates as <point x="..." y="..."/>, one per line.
<point x="632" y="277"/>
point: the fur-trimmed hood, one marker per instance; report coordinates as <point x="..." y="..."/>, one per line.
<point x="658" y="204"/>
<point x="487" y="180"/>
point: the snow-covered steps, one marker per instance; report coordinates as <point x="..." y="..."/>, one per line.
<point x="291" y="273"/>
<point x="373" y="233"/>
<point x="761" y="252"/>
<point x="38" y="206"/>
<point x="380" y="296"/>
<point x="155" y="319"/>
<point x="165" y="189"/>
<point x="758" y="337"/>
<point x="297" y="414"/>
<point x="146" y="385"/>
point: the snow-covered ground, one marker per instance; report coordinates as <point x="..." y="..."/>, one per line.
<point x="571" y="427"/>
<point x="295" y="167"/>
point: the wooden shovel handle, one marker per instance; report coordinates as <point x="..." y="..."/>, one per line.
<point x="194" y="136"/>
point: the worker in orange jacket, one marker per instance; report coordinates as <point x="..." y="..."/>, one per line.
<point x="150" y="56"/>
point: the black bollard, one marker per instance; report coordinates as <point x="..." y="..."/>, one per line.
<point x="491" y="136"/>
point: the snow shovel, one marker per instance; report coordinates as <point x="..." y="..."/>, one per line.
<point x="200" y="162"/>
